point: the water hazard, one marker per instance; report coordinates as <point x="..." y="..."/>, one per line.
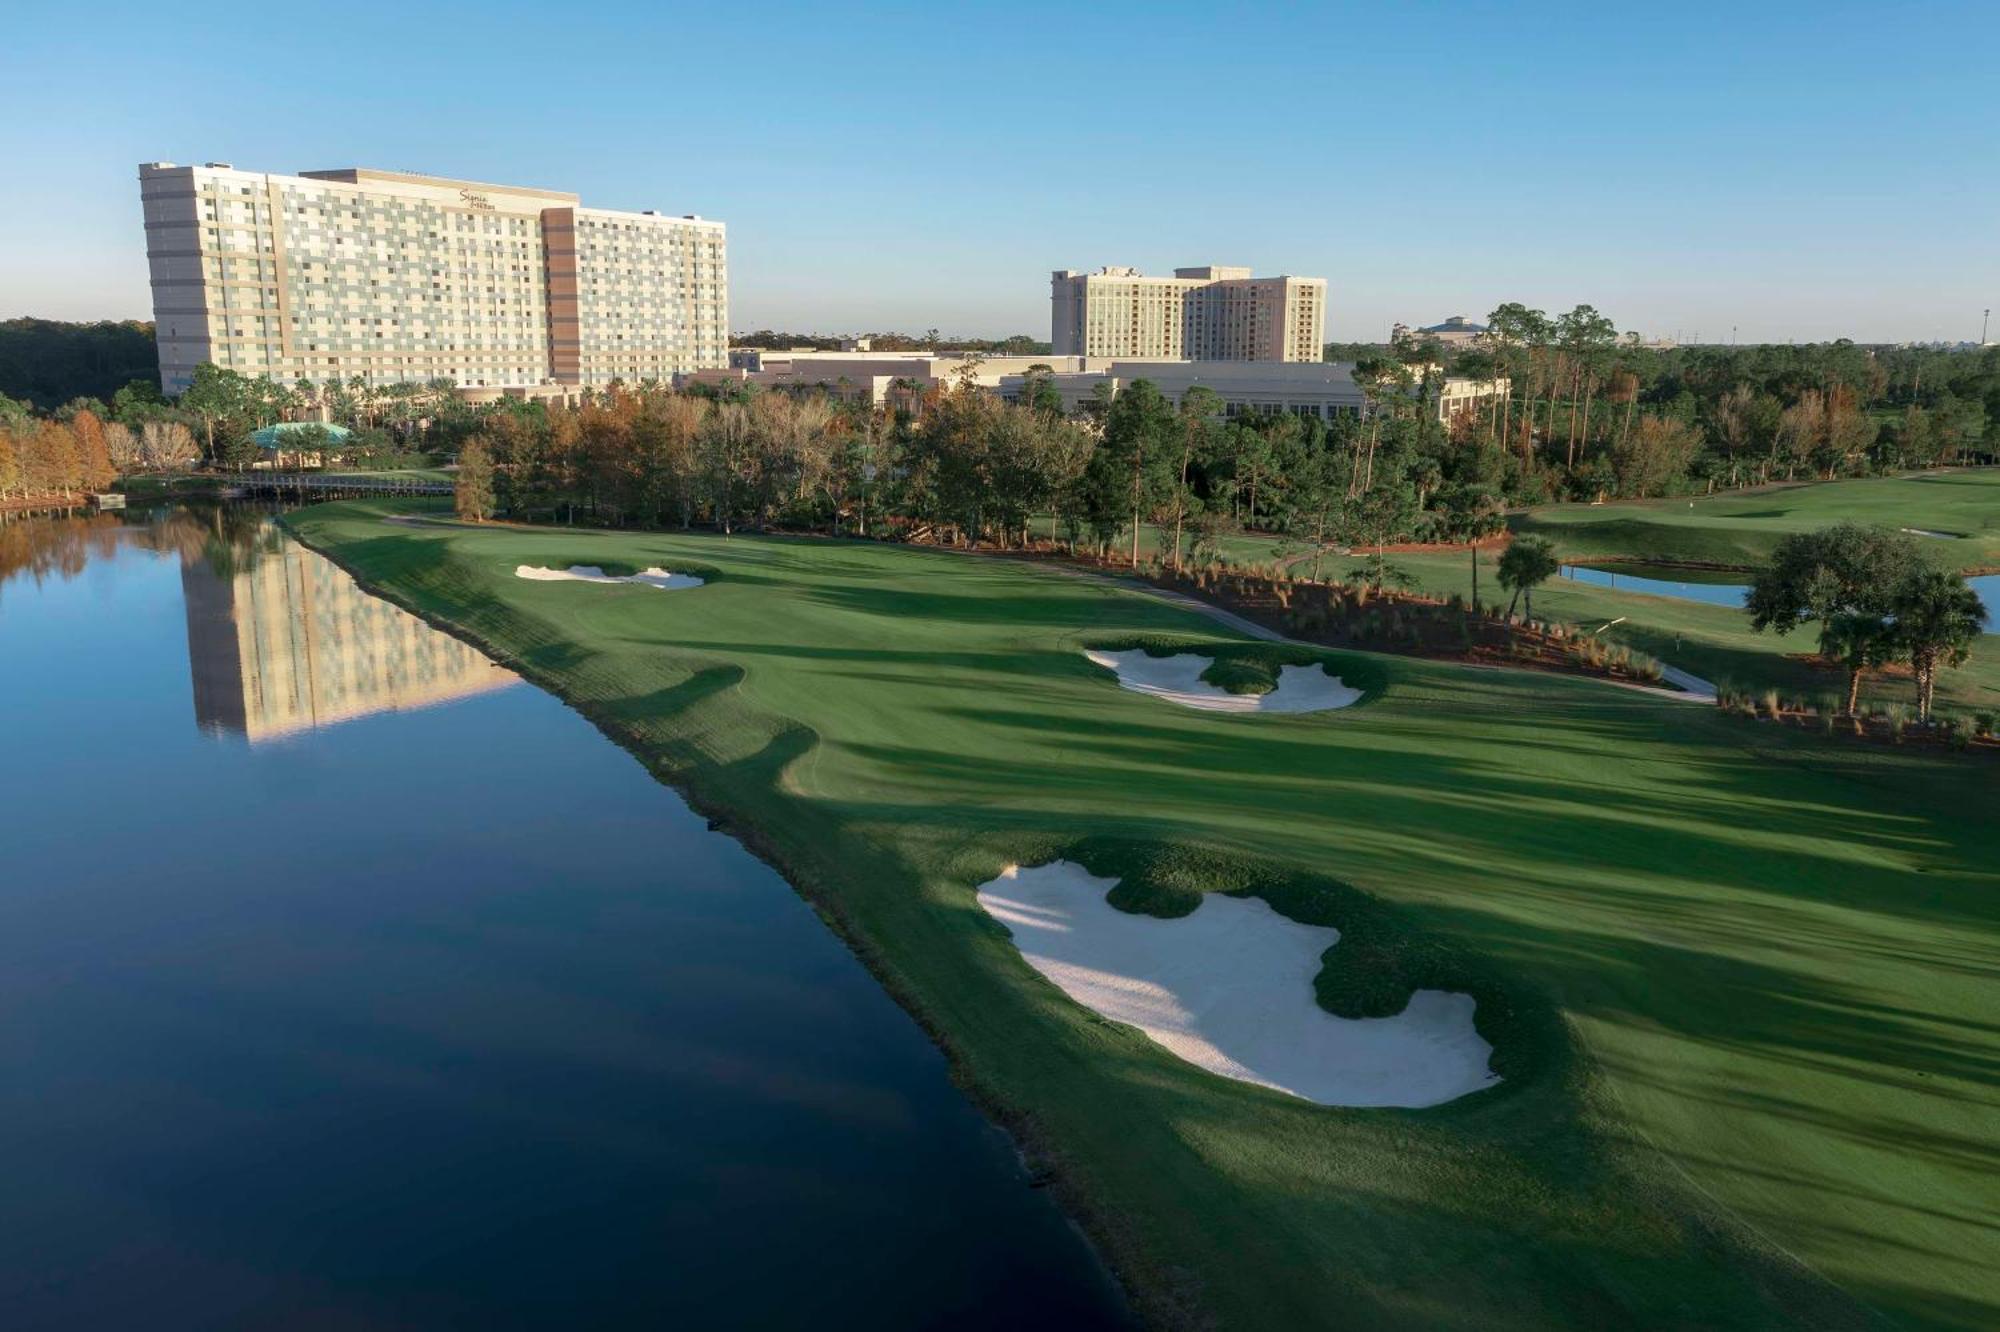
<point x="1719" y="589"/>
<point x="351" y="982"/>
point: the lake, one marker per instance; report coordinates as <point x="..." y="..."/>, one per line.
<point x="1716" y="587"/>
<point x="351" y="982"/>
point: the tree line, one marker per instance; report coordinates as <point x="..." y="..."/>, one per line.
<point x="48" y="362"/>
<point x="1020" y="344"/>
<point x="1594" y="414"/>
<point x="62" y="458"/>
<point x="959" y="464"/>
<point x="1589" y="414"/>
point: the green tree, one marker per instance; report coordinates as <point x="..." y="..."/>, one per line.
<point x="1526" y="564"/>
<point x="1198" y="410"/>
<point x="1859" y="642"/>
<point x="1139" y="435"/>
<point x="1653" y="458"/>
<point x="1846" y="569"/>
<point x="472" y="489"/>
<point x="1937" y="618"/>
<point x="1587" y="340"/>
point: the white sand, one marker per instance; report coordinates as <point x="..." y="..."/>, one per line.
<point x="1178" y="680"/>
<point x="590" y="573"/>
<point x="1230" y="988"/>
<point x="1941" y="536"/>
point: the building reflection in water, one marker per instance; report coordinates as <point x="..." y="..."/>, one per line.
<point x="284" y="641"/>
<point x="279" y="639"/>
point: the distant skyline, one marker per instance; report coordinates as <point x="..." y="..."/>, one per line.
<point x="1788" y="171"/>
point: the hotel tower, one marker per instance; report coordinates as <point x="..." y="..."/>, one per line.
<point x="1199" y="314"/>
<point x="397" y="278"/>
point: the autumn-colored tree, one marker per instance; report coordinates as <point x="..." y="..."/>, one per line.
<point x="167" y="444"/>
<point x="51" y="462"/>
<point x="10" y="465"/>
<point x="122" y="445"/>
<point x="94" y="467"/>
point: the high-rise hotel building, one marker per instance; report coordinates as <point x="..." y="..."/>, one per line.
<point x="1198" y="314"/>
<point x="403" y="278"/>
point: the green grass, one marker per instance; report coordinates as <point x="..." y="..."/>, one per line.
<point x="1740" y="530"/>
<point x="1740" y="985"/>
<point x="1714" y="642"/>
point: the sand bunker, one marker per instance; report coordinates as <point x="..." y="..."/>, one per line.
<point x="1230" y="988"/>
<point x="1939" y="536"/>
<point x="1178" y="680"/>
<point x="590" y="573"/>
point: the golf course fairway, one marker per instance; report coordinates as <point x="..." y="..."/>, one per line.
<point x="1739" y="983"/>
<point x="1738" y="531"/>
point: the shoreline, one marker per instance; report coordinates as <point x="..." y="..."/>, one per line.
<point x="1095" y="1189"/>
<point x="1044" y="1165"/>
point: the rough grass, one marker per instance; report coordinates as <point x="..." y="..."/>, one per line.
<point x="1742" y="987"/>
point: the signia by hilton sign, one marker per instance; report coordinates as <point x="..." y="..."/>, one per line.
<point x="474" y="199"/>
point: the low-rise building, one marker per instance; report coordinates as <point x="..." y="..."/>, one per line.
<point x="1325" y="389"/>
<point x="872" y="376"/>
<point x="1457" y="331"/>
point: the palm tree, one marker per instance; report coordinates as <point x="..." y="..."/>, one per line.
<point x="1526" y="564"/>
<point x="1857" y="641"/>
<point x="1937" y="617"/>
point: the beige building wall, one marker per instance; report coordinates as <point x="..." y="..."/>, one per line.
<point x="393" y="277"/>
<point x="1209" y="313"/>
<point x="635" y="296"/>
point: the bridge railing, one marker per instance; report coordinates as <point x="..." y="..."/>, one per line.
<point x="346" y="483"/>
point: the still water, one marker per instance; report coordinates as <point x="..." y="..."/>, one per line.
<point x="1716" y="588"/>
<point x="1685" y="584"/>
<point x="350" y="982"/>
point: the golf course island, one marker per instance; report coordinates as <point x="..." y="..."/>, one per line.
<point x="1482" y="998"/>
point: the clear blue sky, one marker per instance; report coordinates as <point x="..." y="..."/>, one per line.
<point x="1795" y="170"/>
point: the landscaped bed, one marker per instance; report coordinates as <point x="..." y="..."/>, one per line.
<point x="1733" y="981"/>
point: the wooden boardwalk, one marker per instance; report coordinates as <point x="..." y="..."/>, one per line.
<point x="338" y="484"/>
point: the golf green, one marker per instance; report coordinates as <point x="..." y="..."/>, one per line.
<point x="1739" y="983"/>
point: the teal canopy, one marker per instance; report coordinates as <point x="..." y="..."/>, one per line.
<point x="286" y="435"/>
